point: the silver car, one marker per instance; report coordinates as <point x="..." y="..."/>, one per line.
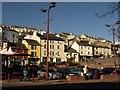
<point x="52" y="73"/>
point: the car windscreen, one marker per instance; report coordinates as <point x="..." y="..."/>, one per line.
<point x="51" y="70"/>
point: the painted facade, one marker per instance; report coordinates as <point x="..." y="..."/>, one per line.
<point x="34" y="50"/>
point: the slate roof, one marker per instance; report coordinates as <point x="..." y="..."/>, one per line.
<point x="32" y="42"/>
<point x="51" y="37"/>
<point x="71" y="50"/>
<point x="100" y="44"/>
<point x="17" y="46"/>
<point x="83" y="43"/>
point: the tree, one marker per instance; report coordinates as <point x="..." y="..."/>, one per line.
<point x="115" y="7"/>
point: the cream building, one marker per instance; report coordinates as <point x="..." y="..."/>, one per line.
<point x="102" y="49"/>
<point x="56" y="48"/>
<point x="66" y="36"/>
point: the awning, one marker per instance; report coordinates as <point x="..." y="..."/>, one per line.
<point x="8" y="52"/>
<point x="3" y="51"/>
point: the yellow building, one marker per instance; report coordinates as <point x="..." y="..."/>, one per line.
<point x="33" y="49"/>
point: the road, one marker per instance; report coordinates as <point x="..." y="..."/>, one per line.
<point x="63" y="85"/>
<point x="90" y="86"/>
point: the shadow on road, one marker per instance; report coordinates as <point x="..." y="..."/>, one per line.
<point x="90" y="86"/>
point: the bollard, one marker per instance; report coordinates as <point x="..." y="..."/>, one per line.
<point x="28" y="77"/>
<point x="58" y="76"/>
<point x="8" y="77"/>
<point x="32" y="77"/>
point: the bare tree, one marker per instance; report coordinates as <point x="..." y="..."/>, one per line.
<point x="115" y="7"/>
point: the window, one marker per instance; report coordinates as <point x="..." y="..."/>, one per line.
<point x="33" y="54"/>
<point x="58" y="60"/>
<point x="88" y="52"/>
<point x="58" y="47"/>
<point x="51" y="41"/>
<point x="45" y="46"/>
<point x="81" y="52"/>
<point x="13" y="35"/>
<point x="58" y="41"/>
<point x="75" y="55"/>
<point x="81" y="47"/>
<point x="44" y="41"/>
<point x="96" y="52"/>
<point x="51" y="46"/>
<point x="33" y="47"/>
<point x="58" y="53"/>
<point x="88" y="48"/>
<point x="45" y="53"/>
<point x="51" y="53"/>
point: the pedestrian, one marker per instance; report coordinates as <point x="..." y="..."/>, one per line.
<point x="85" y="71"/>
<point x="25" y="73"/>
<point x="29" y="73"/>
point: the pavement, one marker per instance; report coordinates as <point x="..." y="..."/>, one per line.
<point x="18" y="83"/>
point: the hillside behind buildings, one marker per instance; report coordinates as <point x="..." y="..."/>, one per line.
<point x="64" y="46"/>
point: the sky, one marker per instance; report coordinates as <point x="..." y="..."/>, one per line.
<point x="75" y="17"/>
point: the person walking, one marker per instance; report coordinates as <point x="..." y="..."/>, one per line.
<point x="85" y="71"/>
<point x="25" y="73"/>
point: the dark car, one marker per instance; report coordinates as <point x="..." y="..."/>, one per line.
<point x="94" y="73"/>
<point x="106" y="70"/>
<point x="33" y="69"/>
<point x="65" y="72"/>
<point x="52" y="73"/>
<point x="90" y="73"/>
<point x="77" y="71"/>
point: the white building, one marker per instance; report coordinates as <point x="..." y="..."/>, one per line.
<point x="84" y="49"/>
<point x="71" y="55"/>
<point x="10" y="35"/>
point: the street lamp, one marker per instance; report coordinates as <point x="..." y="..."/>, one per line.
<point x="113" y="36"/>
<point x="52" y="5"/>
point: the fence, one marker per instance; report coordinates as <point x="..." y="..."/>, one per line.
<point x="3" y="75"/>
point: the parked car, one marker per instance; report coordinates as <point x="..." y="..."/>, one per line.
<point x="65" y="71"/>
<point x="77" y="71"/>
<point x="106" y="70"/>
<point x="33" y="69"/>
<point x="93" y="73"/>
<point x="52" y="73"/>
<point x="117" y="68"/>
<point x="90" y="72"/>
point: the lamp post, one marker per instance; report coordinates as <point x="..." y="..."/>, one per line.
<point x="52" y="5"/>
<point x="114" y="47"/>
<point x="113" y="29"/>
